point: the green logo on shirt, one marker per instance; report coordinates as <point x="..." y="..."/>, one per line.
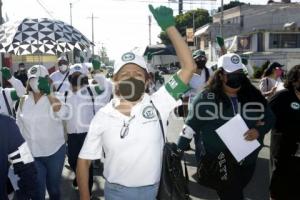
<point x="295" y="106"/>
<point x="148" y="112"/>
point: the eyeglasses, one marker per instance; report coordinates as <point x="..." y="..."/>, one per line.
<point x="125" y="128"/>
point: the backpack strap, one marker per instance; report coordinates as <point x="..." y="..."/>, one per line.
<point x="6" y="103"/>
<point x="160" y="121"/>
<point x="92" y="97"/>
<point x="165" y="139"/>
<point x="66" y="95"/>
<point x="207" y="75"/>
<point x="62" y="82"/>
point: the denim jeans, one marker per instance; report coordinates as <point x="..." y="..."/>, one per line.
<point x="119" y="192"/>
<point x="49" y="172"/>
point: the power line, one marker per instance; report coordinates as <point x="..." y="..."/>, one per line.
<point x="166" y="2"/>
<point x="45" y="9"/>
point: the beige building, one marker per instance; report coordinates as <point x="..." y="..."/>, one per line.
<point x="257" y="32"/>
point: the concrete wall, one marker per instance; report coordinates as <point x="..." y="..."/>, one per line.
<point x="269" y="17"/>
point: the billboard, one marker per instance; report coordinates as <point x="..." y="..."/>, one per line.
<point x="190" y="35"/>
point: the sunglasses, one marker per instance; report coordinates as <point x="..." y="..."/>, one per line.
<point x="125" y="128"/>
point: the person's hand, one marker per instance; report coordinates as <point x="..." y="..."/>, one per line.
<point x="164" y="16"/>
<point x="44" y="85"/>
<point x="251" y="134"/>
<point x="96" y="64"/>
<point x="6" y="73"/>
<point x="177" y="152"/>
<point x="273" y="90"/>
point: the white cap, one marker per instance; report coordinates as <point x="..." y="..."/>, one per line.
<point x="37" y="71"/>
<point x="127" y="58"/>
<point x="78" y="68"/>
<point x="230" y="62"/>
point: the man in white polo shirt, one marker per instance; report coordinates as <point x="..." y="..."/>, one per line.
<point x="128" y="128"/>
<point x="83" y="100"/>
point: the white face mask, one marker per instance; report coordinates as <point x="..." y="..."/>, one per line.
<point x="63" y="68"/>
<point x="34" y="85"/>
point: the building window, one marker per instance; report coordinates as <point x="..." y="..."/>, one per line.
<point x="284" y="40"/>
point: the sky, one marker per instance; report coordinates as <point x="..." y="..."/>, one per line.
<point x="119" y="25"/>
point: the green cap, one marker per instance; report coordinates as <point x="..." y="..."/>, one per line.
<point x="198" y="53"/>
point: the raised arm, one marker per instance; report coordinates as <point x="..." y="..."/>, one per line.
<point x="19" y="89"/>
<point x="165" y="19"/>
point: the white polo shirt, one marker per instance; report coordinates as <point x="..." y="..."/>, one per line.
<point x="136" y="159"/>
<point x="20" y="89"/>
<point x="57" y="77"/>
<point x="40" y="126"/>
<point x="197" y="84"/>
<point x="81" y="107"/>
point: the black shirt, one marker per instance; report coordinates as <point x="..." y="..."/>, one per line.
<point x="286" y="107"/>
<point x="22" y="76"/>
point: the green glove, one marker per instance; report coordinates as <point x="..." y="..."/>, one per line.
<point x="149" y="56"/>
<point x="81" y="59"/>
<point x="163" y="15"/>
<point x="96" y="64"/>
<point x="44" y="85"/>
<point x="6" y="73"/>
<point x="220" y="41"/>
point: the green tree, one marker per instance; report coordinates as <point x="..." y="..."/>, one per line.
<point x="231" y="4"/>
<point x="183" y="21"/>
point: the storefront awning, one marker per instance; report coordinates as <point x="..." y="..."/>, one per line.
<point x="203" y="30"/>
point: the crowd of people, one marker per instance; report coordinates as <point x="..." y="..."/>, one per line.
<point x="89" y="117"/>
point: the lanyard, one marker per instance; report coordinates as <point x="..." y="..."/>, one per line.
<point x="234" y="104"/>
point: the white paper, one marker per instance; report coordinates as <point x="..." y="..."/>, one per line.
<point x="232" y="134"/>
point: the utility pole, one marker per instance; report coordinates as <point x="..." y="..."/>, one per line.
<point x="1" y="19"/>
<point x="1" y="54"/>
<point x="93" y="31"/>
<point x="180" y="5"/>
<point x="194" y="27"/>
<point x="222" y="19"/>
<point x="71" y="13"/>
<point x="149" y="17"/>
